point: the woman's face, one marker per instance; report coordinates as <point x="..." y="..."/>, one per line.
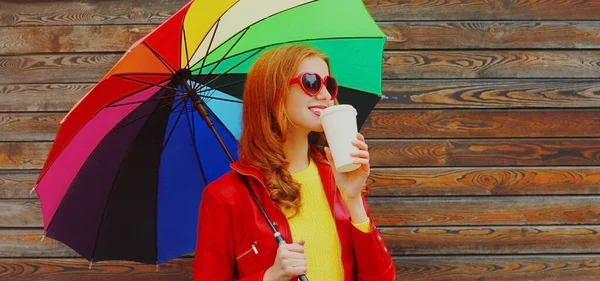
<point x="302" y="109"/>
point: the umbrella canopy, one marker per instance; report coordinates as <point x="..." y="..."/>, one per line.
<point x="124" y="177"/>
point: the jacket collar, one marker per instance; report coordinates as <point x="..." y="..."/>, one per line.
<point x="324" y="170"/>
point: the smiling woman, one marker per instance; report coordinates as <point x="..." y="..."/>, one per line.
<point x="320" y="213"/>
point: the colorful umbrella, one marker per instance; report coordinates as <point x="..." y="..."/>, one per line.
<point x="124" y="177"/>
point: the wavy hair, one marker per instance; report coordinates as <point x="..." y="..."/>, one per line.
<point x="265" y="121"/>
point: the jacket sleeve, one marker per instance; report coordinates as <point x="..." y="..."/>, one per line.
<point x="373" y="260"/>
<point x="215" y="253"/>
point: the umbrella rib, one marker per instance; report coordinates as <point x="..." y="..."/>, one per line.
<point x="222" y="99"/>
<point x="233" y="67"/>
<point x="161" y="59"/>
<point x="187" y="56"/>
<point x="192" y="126"/>
<point x="146" y="100"/>
<point x="146" y="82"/>
<point x="176" y="121"/>
<point x="207" y="51"/>
<point x="227" y="53"/>
<point x="145" y="115"/>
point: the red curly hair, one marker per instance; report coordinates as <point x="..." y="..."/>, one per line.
<point x="265" y="121"/>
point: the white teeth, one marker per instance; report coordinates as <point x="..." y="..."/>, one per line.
<point x="316" y="109"/>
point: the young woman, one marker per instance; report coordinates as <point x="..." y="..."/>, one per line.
<point x="321" y="213"/>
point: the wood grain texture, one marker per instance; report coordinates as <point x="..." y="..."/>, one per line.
<point x="87" y="12"/>
<point x="480" y="124"/>
<point x="41" y="97"/>
<point x="91" y="67"/>
<point x="483" y="94"/>
<point x="400" y="36"/>
<point x="406" y="153"/>
<point x="20" y="213"/>
<point x="390" y="124"/>
<point x="77" y="270"/>
<point x="492" y="153"/>
<point x="484" y="181"/>
<point x="420" y="182"/>
<point x="440" y="211"/>
<point x="69" y="68"/>
<point x="499" y="268"/>
<point x="490" y="93"/>
<point x="391" y="10"/>
<point x="23" y="155"/>
<point x="444" y="211"/>
<point x="60" y="39"/>
<point x="492" y="240"/>
<point x="491" y="64"/>
<point x="29" y="126"/>
<point x="491" y="35"/>
<point x="17" y="184"/>
<point x="25" y="243"/>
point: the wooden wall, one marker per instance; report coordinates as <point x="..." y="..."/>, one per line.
<point x="486" y="144"/>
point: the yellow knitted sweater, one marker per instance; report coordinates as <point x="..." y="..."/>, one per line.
<point x="315" y="225"/>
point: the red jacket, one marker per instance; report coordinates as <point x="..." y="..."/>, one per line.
<point x="231" y="227"/>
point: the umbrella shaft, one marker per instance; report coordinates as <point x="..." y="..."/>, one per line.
<point x="200" y="108"/>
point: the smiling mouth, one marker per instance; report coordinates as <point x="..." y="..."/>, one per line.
<point x="316" y="110"/>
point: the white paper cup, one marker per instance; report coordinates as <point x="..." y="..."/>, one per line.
<point x="339" y="123"/>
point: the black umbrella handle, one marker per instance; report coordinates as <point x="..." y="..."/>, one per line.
<point x="280" y="241"/>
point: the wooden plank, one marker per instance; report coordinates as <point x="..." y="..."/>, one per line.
<point x="441" y="211"/>
<point x="491" y="64"/>
<point x="69" y="68"/>
<point x="25" y="243"/>
<point x="17" y="184"/>
<point x="20" y="213"/>
<point x="406" y="153"/>
<point x="389" y="124"/>
<point x="420" y="182"/>
<point x="484" y="181"/>
<point x="78" y="270"/>
<point x="478" y="124"/>
<point x="492" y="240"/>
<point x="483" y="10"/>
<point x="23" y="155"/>
<point x="29" y="126"/>
<point x="400" y="36"/>
<point x="91" y="67"/>
<point x="87" y="12"/>
<point x="499" y="268"/>
<point x="59" y="39"/>
<point x="491" y="153"/>
<point x="41" y="97"/>
<point x="489" y="93"/>
<point x="491" y="35"/>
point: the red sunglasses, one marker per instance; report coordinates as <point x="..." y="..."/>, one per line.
<point x="312" y="83"/>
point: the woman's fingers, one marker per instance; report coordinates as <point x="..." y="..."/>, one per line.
<point x="361" y="144"/>
<point x="360" y="154"/>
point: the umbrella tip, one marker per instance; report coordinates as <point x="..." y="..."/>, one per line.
<point x="91" y="262"/>
<point x="156" y="266"/>
<point x="33" y="189"/>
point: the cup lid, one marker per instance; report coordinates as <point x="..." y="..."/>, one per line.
<point x="338" y="108"/>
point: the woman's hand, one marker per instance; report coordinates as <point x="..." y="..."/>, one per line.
<point x="289" y="263"/>
<point x="352" y="183"/>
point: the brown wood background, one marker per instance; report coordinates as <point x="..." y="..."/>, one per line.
<point x="486" y="144"/>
